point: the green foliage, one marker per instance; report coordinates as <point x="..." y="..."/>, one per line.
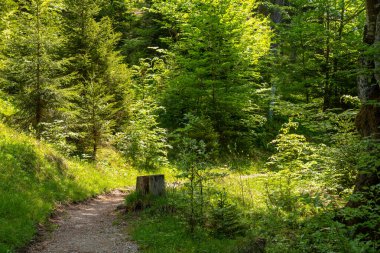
<point x="225" y="219"/>
<point x="7" y="7"/>
<point x="144" y="32"/>
<point x="154" y="205"/>
<point x="199" y="129"/>
<point x="57" y="133"/>
<point x="206" y="92"/>
<point x="281" y="193"/>
<point x="251" y="245"/>
<point x="362" y="212"/>
<point x="6" y="107"/>
<point x="321" y="145"/>
<point x="363" y="220"/>
<point x="96" y="115"/>
<point x="323" y="234"/>
<point x="193" y="164"/>
<point x="100" y="79"/>
<point x="33" y="71"/>
<point x="117" y="11"/>
<point x="319" y="43"/>
<point x="137" y="202"/>
<point x="214" y="64"/>
<point x="279" y="215"/>
<point x="291" y="149"/>
<point x="298" y="156"/>
<point x="142" y="139"/>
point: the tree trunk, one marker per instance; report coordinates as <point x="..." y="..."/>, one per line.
<point x="276" y="17"/>
<point x="38" y="110"/>
<point x="368" y="119"/>
<point x="368" y="84"/>
<point x="154" y="185"/>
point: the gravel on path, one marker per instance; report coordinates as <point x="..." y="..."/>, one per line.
<point x="89" y="227"/>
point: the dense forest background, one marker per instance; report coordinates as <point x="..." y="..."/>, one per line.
<point x="290" y="87"/>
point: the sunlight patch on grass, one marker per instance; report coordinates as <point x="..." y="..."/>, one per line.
<point x="34" y="178"/>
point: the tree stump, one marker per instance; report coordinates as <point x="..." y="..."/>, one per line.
<point x="154" y="184"/>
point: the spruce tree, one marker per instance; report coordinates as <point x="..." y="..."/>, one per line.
<point x="5" y="12"/>
<point x="142" y="139"/>
<point x="6" y="8"/>
<point x="143" y="31"/>
<point x="99" y="76"/>
<point x="215" y="51"/>
<point x="319" y="42"/>
<point x="33" y="69"/>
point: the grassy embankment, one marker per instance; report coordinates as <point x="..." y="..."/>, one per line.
<point x="34" y="178"/>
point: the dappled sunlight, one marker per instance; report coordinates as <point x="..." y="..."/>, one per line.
<point x="261" y="115"/>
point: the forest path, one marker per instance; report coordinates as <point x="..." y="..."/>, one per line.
<point x="88" y="227"/>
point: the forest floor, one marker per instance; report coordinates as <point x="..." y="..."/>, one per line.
<point x="91" y="226"/>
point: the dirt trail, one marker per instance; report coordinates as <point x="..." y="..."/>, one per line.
<point x="88" y="228"/>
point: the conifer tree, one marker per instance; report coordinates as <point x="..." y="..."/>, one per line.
<point x="215" y="50"/>
<point x="142" y="139"/>
<point x="100" y="78"/>
<point x="6" y="8"/>
<point x="320" y="42"/>
<point x="32" y="67"/>
<point x="143" y="32"/>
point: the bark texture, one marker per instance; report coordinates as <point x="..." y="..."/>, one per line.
<point x="154" y="184"/>
<point x="368" y="119"/>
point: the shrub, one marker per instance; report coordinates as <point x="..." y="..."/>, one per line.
<point x="225" y="218"/>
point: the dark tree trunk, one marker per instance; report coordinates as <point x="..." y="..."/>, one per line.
<point x="368" y="84"/>
<point x="368" y="119"/>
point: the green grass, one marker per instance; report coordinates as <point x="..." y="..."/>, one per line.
<point x="167" y="233"/>
<point x="162" y="227"/>
<point x="34" y="178"/>
<point x="290" y="216"/>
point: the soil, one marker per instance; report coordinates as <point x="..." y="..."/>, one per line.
<point x="89" y="227"/>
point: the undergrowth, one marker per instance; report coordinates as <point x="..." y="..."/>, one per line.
<point x="158" y="226"/>
<point x="278" y="215"/>
<point x="295" y="203"/>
